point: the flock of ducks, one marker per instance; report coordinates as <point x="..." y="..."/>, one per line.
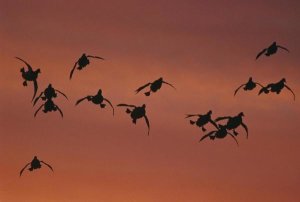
<point x="230" y="123"/>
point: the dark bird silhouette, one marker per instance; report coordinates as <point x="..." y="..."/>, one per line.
<point x="220" y="133"/>
<point x="97" y="99"/>
<point x="250" y="85"/>
<point x="234" y="122"/>
<point x="154" y="86"/>
<point x="276" y="88"/>
<point x="35" y="164"/>
<point x="49" y="93"/>
<point x="82" y="62"/>
<point x="30" y="75"/>
<point x="202" y="120"/>
<point x="49" y="106"/>
<point x="272" y="49"/>
<point x="137" y="113"/>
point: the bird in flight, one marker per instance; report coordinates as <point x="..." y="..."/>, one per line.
<point x="136" y="113"/>
<point x="154" y="86"/>
<point x="250" y="85"/>
<point x="97" y="99"/>
<point x="202" y="120"/>
<point x="276" y="88"/>
<point x="82" y="62"/>
<point x="30" y="75"/>
<point x="272" y="49"/>
<point x="49" y="106"/>
<point x="49" y="93"/>
<point x="35" y="164"/>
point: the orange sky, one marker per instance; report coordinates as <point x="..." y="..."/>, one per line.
<point x="205" y="48"/>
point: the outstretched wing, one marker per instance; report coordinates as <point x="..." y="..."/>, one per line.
<point x="222" y="118"/>
<point x="62" y="93"/>
<point x="61" y="113"/>
<point x="148" y="124"/>
<point x="80" y="100"/>
<point x="110" y="105"/>
<point x="283" y="48"/>
<point x="90" y="56"/>
<point x="246" y="128"/>
<point x="36" y="99"/>
<point x="72" y="71"/>
<point x="259" y="84"/>
<point x="191" y="115"/>
<point x="235" y="92"/>
<point x="141" y="88"/>
<point x="28" y="65"/>
<point x="24" y="169"/>
<point x="207" y="135"/>
<point x="169" y="84"/>
<point x="262" y="52"/>
<point x="291" y="91"/>
<point x="214" y="123"/>
<point x="35" y="84"/>
<point x="47" y="165"/>
<point x="233" y="138"/>
<point x="38" y="110"/>
<point x="125" y="105"/>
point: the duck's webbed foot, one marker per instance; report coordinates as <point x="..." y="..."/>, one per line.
<point x="102" y="105"/>
<point x="30" y="169"/>
<point x="45" y="111"/>
<point x="134" y="121"/>
<point x="147" y="93"/>
<point x="203" y="129"/>
<point x="212" y="137"/>
<point x="192" y="122"/>
<point x="25" y="83"/>
<point x="128" y="111"/>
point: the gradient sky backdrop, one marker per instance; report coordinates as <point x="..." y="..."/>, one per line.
<point x="205" y="48"/>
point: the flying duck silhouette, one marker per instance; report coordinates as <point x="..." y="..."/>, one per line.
<point x="276" y="88"/>
<point x="30" y="75"/>
<point x="97" y="99"/>
<point x="272" y="49"/>
<point x="82" y="62"/>
<point x="35" y="164"/>
<point x="49" y="106"/>
<point x="234" y="122"/>
<point x="202" y="120"/>
<point x="137" y="113"/>
<point x="250" y="85"/>
<point x="154" y="86"/>
<point x="49" y="93"/>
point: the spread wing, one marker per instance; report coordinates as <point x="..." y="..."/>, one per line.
<point x="47" y="165"/>
<point x="245" y="127"/>
<point x="28" y="65"/>
<point x="72" y="71"/>
<point x="80" y="100"/>
<point x="283" y="48"/>
<point x="291" y="91"/>
<point x="222" y="118"/>
<point x="62" y="93"/>
<point x="38" y="110"/>
<point x="169" y="84"/>
<point x="207" y="135"/>
<point x="110" y="105"/>
<point x="125" y="105"/>
<point x="259" y="84"/>
<point x="214" y="123"/>
<point x="262" y="52"/>
<point x="235" y="92"/>
<point x="141" y="88"/>
<point x="36" y="99"/>
<point x="90" y="56"/>
<point x="61" y="113"/>
<point x="24" y="169"/>
<point x="191" y="115"/>
<point x="233" y="138"/>
<point x="35" y="84"/>
<point x="148" y="124"/>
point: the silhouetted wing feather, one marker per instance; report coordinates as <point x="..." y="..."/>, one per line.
<point x="80" y="100"/>
<point x="125" y="105"/>
<point x="234" y="138"/>
<point x="28" y="65"/>
<point x="38" y="110"/>
<point x="212" y="122"/>
<point x="245" y="127"/>
<point x="148" y="124"/>
<point x="47" y="165"/>
<point x="61" y="113"/>
<point x="35" y="84"/>
<point x="62" y="93"/>
<point x="291" y="91"/>
<point x="24" y="169"/>
<point x="72" y="71"/>
<point x="222" y="118"/>
<point x="207" y="135"/>
<point x="36" y="99"/>
<point x="110" y="105"/>
<point x="262" y="52"/>
<point x="235" y="92"/>
<point x="141" y="88"/>
<point x="169" y="84"/>
<point x="283" y="48"/>
<point x="191" y="115"/>
<point x="90" y="56"/>
<point x="259" y="84"/>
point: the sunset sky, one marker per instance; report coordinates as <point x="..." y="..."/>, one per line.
<point x="206" y="49"/>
